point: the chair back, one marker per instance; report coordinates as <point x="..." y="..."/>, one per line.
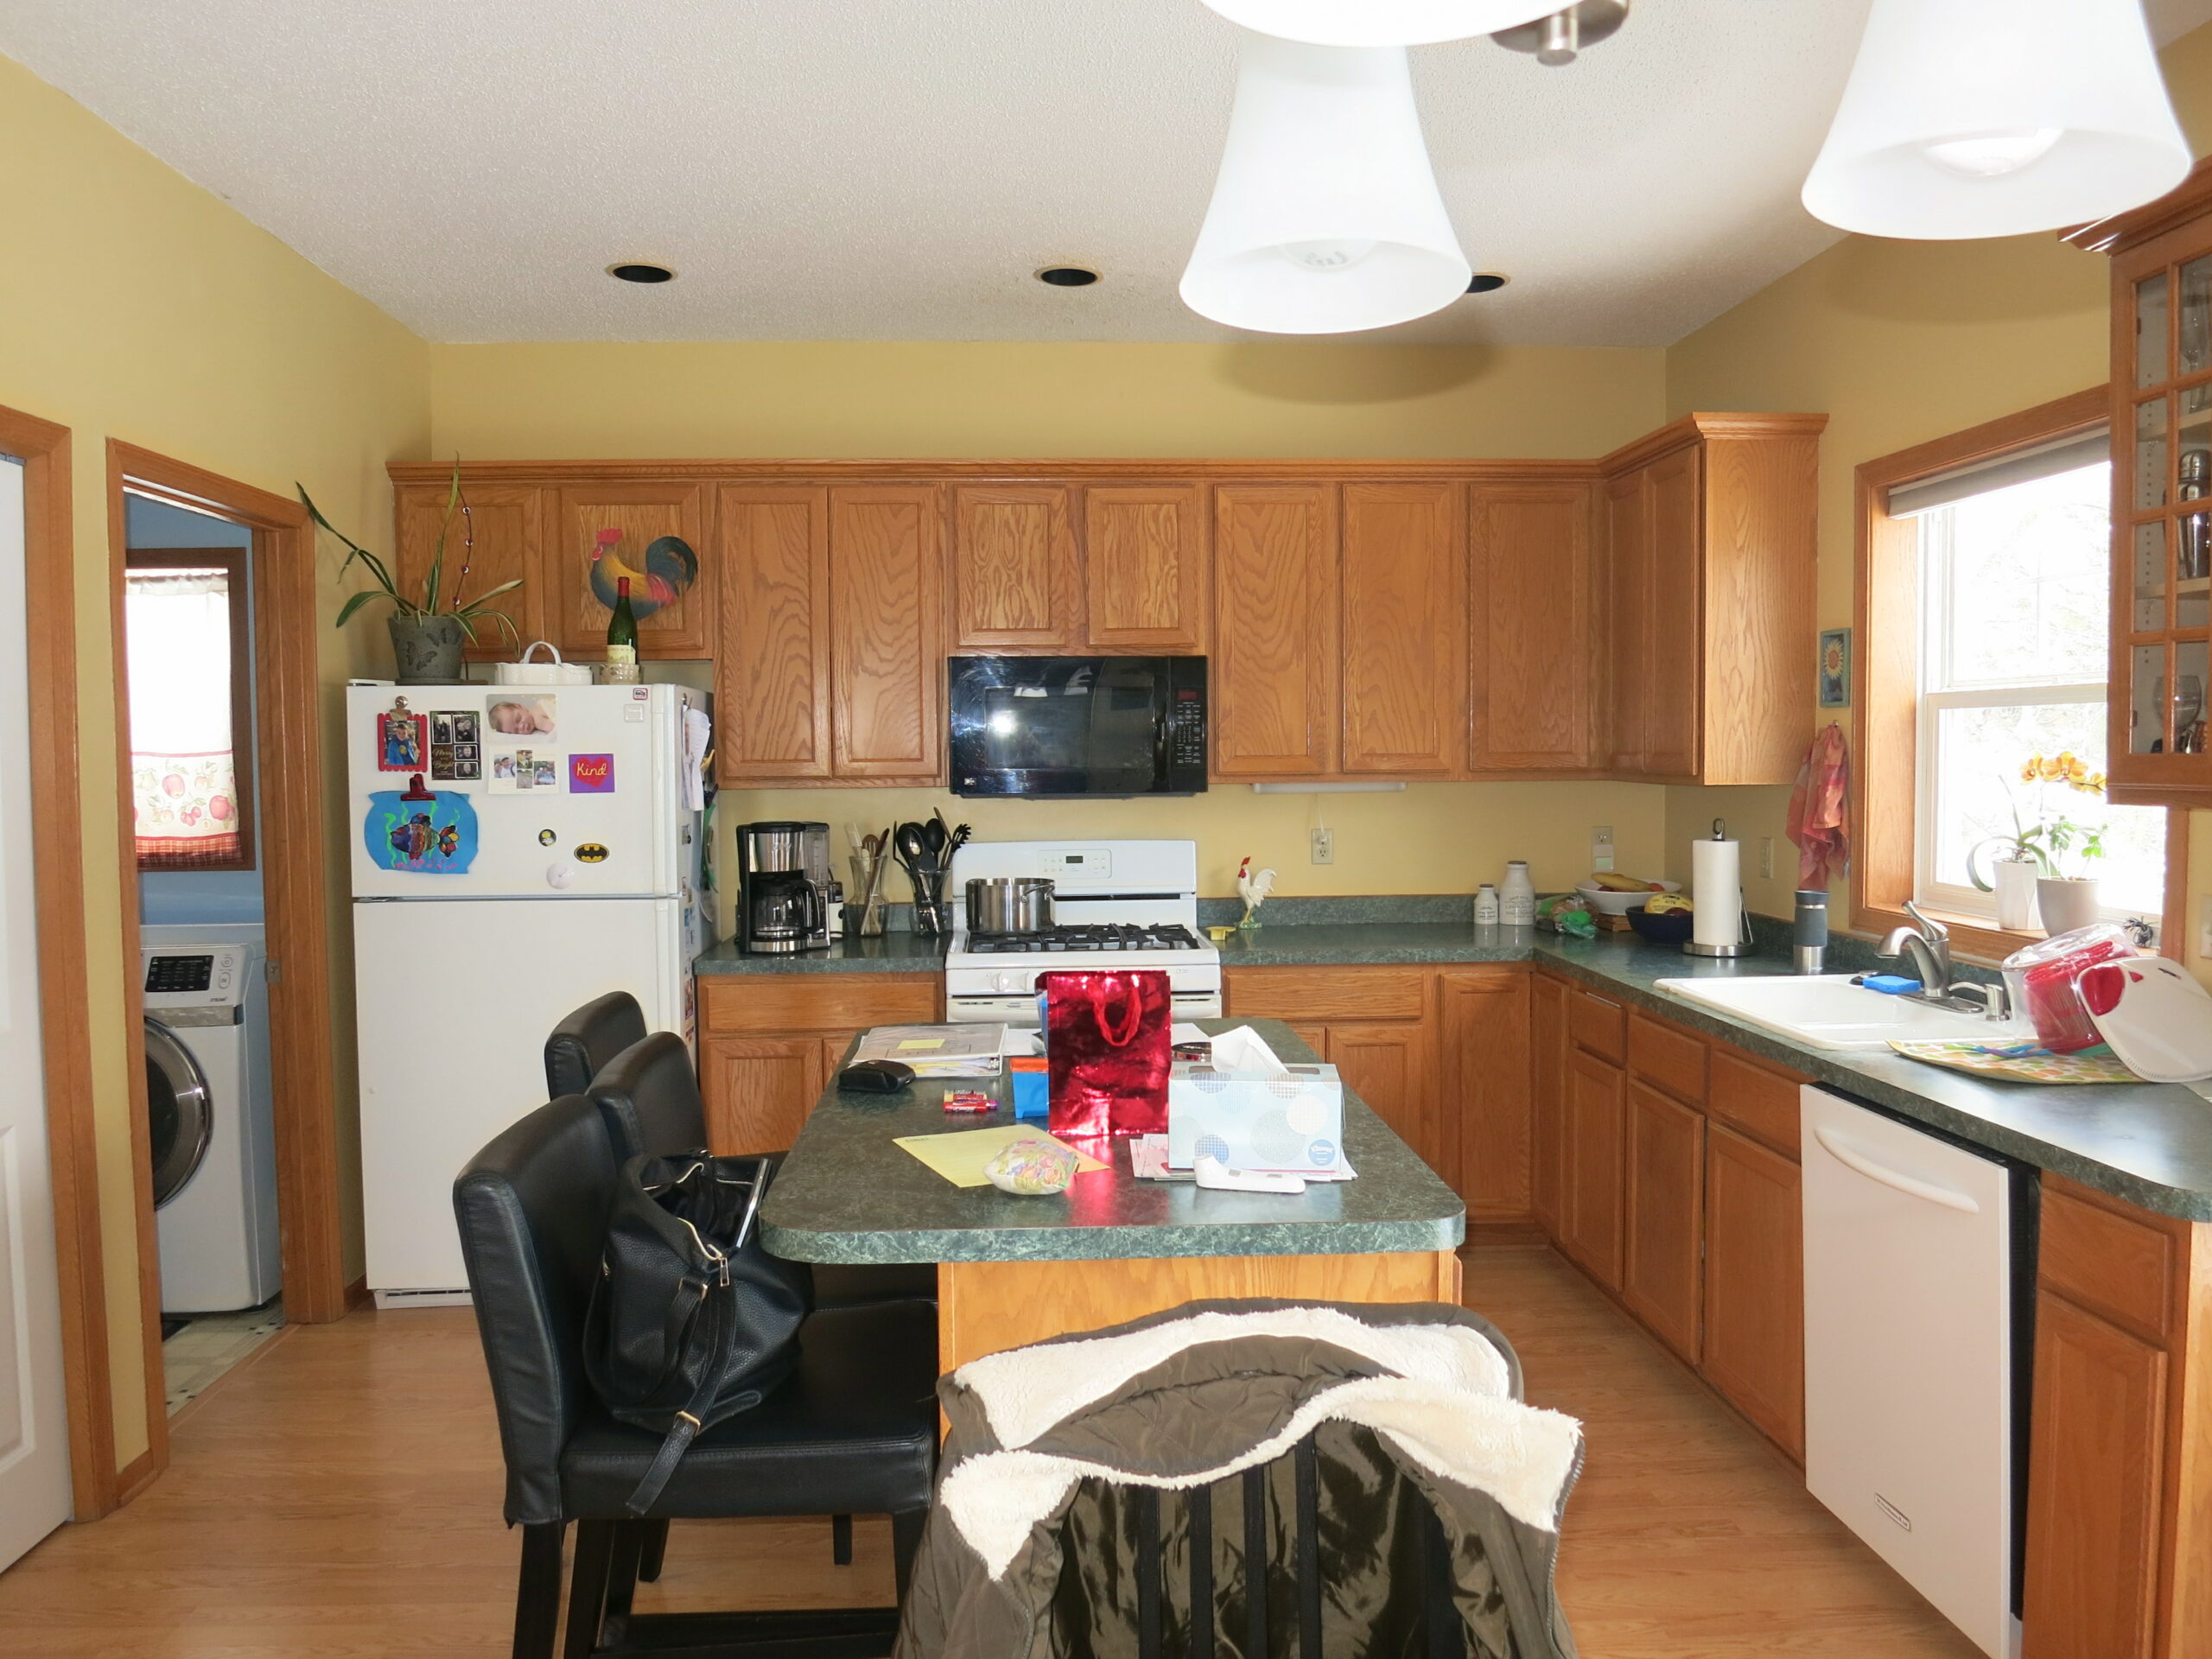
<point x="532" y="1210"/>
<point x="648" y="1096"/>
<point x="587" y="1039"/>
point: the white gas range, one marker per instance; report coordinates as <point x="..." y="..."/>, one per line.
<point x="1117" y="904"/>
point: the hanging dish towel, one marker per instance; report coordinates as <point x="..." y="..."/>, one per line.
<point x="1820" y="809"/>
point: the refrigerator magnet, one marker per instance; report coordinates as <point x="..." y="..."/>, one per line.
<point x="591" y="774"/>
<point x="401" y="739"/>
<point x="523" y="713"/>
<point x="435" y="835"/>
<point x="442" y="758"/>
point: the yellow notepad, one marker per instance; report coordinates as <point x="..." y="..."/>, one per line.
<point x="960" y="1155"/>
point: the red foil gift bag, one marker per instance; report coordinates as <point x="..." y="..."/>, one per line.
<point x="1108" y="1046"/>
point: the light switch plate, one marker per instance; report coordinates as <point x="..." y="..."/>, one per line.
<point x="1766" y="857"/>
<point x="1323" y="843"/>
<point x="1601" y="846"/>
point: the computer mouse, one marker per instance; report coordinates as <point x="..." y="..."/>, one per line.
<point x="876" y="1077"/>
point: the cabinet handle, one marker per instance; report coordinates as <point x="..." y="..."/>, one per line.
<point x="1602" y="1001"/>
<point x="1906" y="1184"/>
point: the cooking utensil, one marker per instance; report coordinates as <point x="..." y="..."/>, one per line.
<point x="1009" y="904"/>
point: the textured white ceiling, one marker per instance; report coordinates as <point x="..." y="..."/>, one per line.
<point x="895" y="169"/>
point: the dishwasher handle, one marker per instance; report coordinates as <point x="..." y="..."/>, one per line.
<point x="1906" y="1184"/>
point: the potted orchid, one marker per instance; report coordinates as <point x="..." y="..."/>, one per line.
<point x="2028" y="866"/>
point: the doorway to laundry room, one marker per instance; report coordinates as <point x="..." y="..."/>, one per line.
<point x="192" y="707"/>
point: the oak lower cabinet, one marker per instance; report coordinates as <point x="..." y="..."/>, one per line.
<point x="1663" y="1260"/>
<point x="1594" y="1190"/>
<point x="1754" y="1350"/>
<point x="1547" y="1098"/>
<point x="769" y="1044"/>
<point x="1481" y="1117"/>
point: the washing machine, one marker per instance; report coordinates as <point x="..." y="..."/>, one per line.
<point x="212" y="1115"/>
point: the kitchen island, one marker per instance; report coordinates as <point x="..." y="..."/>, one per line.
<point x="1013" y="1270"/>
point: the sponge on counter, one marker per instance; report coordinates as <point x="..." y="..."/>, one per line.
<point x="1889" y="984"/>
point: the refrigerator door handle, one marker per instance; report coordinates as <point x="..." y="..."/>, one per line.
<point x="1910" y="1186"/>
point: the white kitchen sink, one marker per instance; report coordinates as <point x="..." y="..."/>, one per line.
<point x="1828" y="1011"/>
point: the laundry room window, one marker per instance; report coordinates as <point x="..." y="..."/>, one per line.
<point x="191" y="773"/>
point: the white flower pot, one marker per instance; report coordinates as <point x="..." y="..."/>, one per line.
<point x="2065" y="906"/>
<point x="2015" y="880"/>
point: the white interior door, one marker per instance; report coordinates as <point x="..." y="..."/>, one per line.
<point x="34" y="1439"/>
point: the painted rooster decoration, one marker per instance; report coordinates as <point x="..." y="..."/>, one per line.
<point x="670" y="569"/>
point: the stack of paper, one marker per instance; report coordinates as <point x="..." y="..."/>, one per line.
<point x="960" y="1156"/>
<point x="938" y="1050"/>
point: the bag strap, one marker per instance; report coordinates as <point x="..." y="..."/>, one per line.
<point x="1134" y="1002"/>
<point x="688" y="1420"/>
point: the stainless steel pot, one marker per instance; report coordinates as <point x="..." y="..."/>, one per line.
<point x="1009" y="904"/>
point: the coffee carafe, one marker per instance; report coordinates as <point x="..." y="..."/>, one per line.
<point x="783" y="887"/>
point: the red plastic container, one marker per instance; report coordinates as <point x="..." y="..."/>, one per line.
<point x="2044" y="979"/>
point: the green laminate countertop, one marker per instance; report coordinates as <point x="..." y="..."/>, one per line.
<point x="887" y="953"/>
<point x="846" y="1194"/>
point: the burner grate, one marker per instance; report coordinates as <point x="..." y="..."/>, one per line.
<point x="1102" y="936"/>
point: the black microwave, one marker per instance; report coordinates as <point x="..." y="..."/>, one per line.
<point x="1072" y="725"/>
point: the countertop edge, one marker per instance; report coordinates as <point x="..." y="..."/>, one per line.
<point x="1162" y="1244"/>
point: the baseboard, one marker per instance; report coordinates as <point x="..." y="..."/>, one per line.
<point x="135" y="1476"/>
<point x="1524" y="1231"/>
<point x="388" y="1299"/>
<point x="357" y="1293"/>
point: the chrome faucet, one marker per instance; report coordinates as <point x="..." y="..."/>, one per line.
<point x="1926" y="947"/>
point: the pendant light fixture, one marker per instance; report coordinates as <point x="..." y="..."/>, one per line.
<point x="1379" y="22"/>
<point x="1325" y="217"/>
<point x="1997" y="117"/>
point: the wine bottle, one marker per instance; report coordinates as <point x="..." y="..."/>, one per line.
<point x="622" y="635"/>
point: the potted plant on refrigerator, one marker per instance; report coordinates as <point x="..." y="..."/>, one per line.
<point x="2026" y="867"/>
<point x="429" y="634"/>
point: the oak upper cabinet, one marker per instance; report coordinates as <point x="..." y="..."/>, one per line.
<point x="1275" y="671"/>
<point x="771" y="669"/>
<point x="500" y="537"/>
<point x="651" y="531"/>
<point x="1015" y="585"/>
<point x="1532" y="628"/>
<point x="1404" y="635"/>
<point x="1145" y="569"/>
<point x="1711" y="527"/>
<point x="886" y="641"/>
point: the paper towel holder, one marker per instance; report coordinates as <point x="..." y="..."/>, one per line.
<point x="1742" y="944"/>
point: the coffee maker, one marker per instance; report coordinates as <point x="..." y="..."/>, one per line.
<point x="783" y="899"/>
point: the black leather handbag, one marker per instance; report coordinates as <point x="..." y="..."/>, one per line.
<point x="691" y="1321"/>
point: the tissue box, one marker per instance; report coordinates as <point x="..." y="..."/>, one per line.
<point x="1251" y="1111"/>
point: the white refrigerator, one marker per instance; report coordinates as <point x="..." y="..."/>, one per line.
<point x="517" y="851"/>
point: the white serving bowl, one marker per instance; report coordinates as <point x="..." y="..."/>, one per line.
<point x="1619" y="903"/>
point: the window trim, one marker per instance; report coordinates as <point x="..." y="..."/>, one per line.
<point x="1885" y="784"/>
<point x="232" y="562"/>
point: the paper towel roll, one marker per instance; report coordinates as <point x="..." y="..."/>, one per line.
<point x="1717" y="890"/>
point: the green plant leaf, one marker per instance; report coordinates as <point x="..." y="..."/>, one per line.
<point x="354" y="603"/>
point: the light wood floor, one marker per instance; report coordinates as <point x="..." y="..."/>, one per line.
<point x="338" y="1497"/>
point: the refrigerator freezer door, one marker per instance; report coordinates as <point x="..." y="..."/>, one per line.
<point x="1908" y="1356"/>
<point x="452" y="1005"/>
<point x="607" y="819"/>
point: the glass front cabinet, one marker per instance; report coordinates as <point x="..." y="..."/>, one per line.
<point x="2161" y="669"/>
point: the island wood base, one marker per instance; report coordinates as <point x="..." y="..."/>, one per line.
<point x="985" y="1306"/>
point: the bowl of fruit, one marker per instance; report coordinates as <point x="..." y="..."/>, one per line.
<point x="1616" y="895"/>
<point x="1663" y="918"/>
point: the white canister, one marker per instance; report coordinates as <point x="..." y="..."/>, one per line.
<point x="525" y="671"/>
<point x="1486" y="909"/>
<point x="1517" y="901"/>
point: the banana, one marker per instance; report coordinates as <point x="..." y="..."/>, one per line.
<point x="1612" y="882"/>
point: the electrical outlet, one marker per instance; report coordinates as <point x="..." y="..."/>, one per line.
<point x="1766" y="857"/>
<point x="1325" y="845"/>
<point x="1601" y="846"/>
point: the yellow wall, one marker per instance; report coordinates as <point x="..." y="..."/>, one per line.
<point x="139" y="306"/>
<point x="1901" y="342"/>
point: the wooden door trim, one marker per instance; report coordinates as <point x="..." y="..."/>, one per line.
<point x="289" y="745"/>
<point x="66" y="1044"/>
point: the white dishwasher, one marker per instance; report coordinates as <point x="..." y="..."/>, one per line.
<point x="1919" y="1266"/>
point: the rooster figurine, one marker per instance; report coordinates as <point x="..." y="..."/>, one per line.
<point x="1253" y="887"/>
<point x="670" y="569"/>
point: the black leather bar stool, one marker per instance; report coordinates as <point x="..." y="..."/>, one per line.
<point x="587" y="1039"/>
<point x="853" y="1429"/>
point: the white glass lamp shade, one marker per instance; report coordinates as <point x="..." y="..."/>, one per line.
<point x="1325" y="217"/>
<point x="1380" y="22"/>
<point x="1997" y="117"/>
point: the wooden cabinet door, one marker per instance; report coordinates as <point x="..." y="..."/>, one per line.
<point x="1314" y="1036"/>
<point x="1755" y="1284"/>
<point x="1480" y="1119"/>
<point x="886" y="652"/>
<point x="758" y="1090"/>
<point x="1673" y="657"/>
<point x="1403" y="576"/>
<point x="1145" y="568"/>
<point x="1547" y="1098"/>
<point x="1628" y="610"/>
<point x="1593" y="1193"/>
<point x="1661" y="1273"/>
<point x="771" y="671"/>
<point x="499" y="539"/>
<point x="604" y="531"/>
<point x="1014" y="568"/>
<point x="1388" y="1066"/>
<point x="1274" y="629"/>
<point x="2098" y="1461"/>
<point x="1533" y="650"/>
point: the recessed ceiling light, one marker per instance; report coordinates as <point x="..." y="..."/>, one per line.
<point x="636" y="271"/>
<point x="1067" y="276"/>
<point x="1488" y="282"/>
